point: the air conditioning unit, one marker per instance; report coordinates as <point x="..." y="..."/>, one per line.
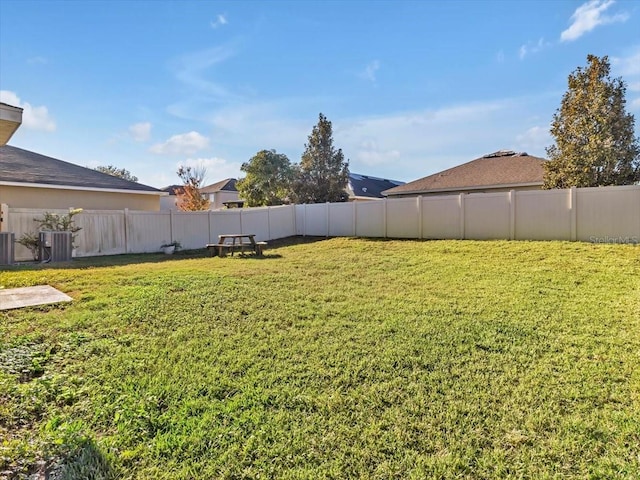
<point x="55" y="246"/>
<point x="7" y="252"/>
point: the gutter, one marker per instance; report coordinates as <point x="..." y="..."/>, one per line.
<point x="83" y="189"/>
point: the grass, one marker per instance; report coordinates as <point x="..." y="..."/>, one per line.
<point x="342" y="358"/>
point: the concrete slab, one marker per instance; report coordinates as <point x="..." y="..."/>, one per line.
<point x="30" y="296"/>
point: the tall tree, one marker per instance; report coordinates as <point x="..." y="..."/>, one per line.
<point x="117" y="172"/>
<point x="189" y="197"/>
<point x="323" y="173"/>
<point x="268" y="179"/>
<point x="594" y="135"/>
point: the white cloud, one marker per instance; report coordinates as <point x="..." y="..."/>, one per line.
<point x="216" y="168"/>
<point x="588" y="16"/>
<point x="140" y="132"/>
<point x="410" y="145"/>
<point x="530" y="48"/>
<point x="629" y="65"/>
<point x="183" y="144"/>
<point x="219" y="21"/>
<point x="369" y="73"/>
<point x="34" y="118"/>
<point x="371" y="154"/>
<point x="193" y="70"/>
<point x="535" y="138"/>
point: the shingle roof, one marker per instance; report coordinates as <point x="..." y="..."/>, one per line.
<point x="172" y="189"/>
<point x="228" y="184"/>
<point x="502" y="169"/>
<point x="22" y="166"/>
<point x="370" y="187"/>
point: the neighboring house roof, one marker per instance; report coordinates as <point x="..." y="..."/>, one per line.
<point x="228" y="185"/>
<point x="365" y="186"/>
<point x="18" y="166"/>
<point x="172" y="189"/>
<point x="501" y="169"/>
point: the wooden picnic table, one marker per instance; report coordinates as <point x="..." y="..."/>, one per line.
<point x="236" y="241"/>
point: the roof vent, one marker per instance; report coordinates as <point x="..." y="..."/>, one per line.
<point x="500" y="153"/>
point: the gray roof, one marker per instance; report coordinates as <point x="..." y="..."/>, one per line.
<point x="371" y="187"/>
<point x="504" y="168"/>
<point x="22" y="166"/>
<point x="228" y="184"/>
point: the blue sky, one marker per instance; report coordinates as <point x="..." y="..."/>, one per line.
<point x="411" y="87"/>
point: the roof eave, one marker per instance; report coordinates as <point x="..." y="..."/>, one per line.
<point x="86" y="189"/>
<point x="458" y="189"/>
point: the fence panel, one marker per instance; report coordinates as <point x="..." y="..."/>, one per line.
<point x="370" y="219"/>
<point x="21" y="221"/>
<point x="224" y="221"/>
<point x="103" y="233"/>
<point x="282" y="221"/>
<point x="543" y="215"/>
<point x="316" y="219"/>
<point x="146" y="231"/>
<point x="486" y="216"/>
<point x="191" y="229"/>
<point x="608" y="214"/>
<point x="402" y="218"/>
<point x="256" y="221"/>
<point x="341" y="219"/>
<point x="441" y="217"/>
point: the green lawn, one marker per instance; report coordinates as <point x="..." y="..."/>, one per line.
<point x="340" y="358"/>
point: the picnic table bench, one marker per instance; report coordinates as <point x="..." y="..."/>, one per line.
<point x="232" y="242"/>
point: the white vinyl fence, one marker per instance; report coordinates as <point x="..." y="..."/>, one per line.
<point x="599" y="215"/>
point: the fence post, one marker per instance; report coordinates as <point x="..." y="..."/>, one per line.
<point x="126" y="231"/>
<point x="171" y="225"/>
<point x="355" y="217"/>
<point x="512" y="214"/>
<point x="4" y="217"/>
<point x="573" y="204"/>
<point x="384" y="217"/>
<point x="328" y="218"/>
<point x="209" y="214"/>
<point x="419" y="205"/>
<point x="461" y="207"/>
<point x="294" y="221"/>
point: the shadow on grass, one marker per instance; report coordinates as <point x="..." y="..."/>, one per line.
<point x="87" y="462"/>
<point x="142" y="258"/>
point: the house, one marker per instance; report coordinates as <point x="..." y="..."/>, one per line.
<point x="221" y="194"/>
<point x="500" y="171"/>
<point x="365" y="187"/>
<point x="170" y="201"/>
<point x="32" y="180"/>
<point x="10" y="121"/>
